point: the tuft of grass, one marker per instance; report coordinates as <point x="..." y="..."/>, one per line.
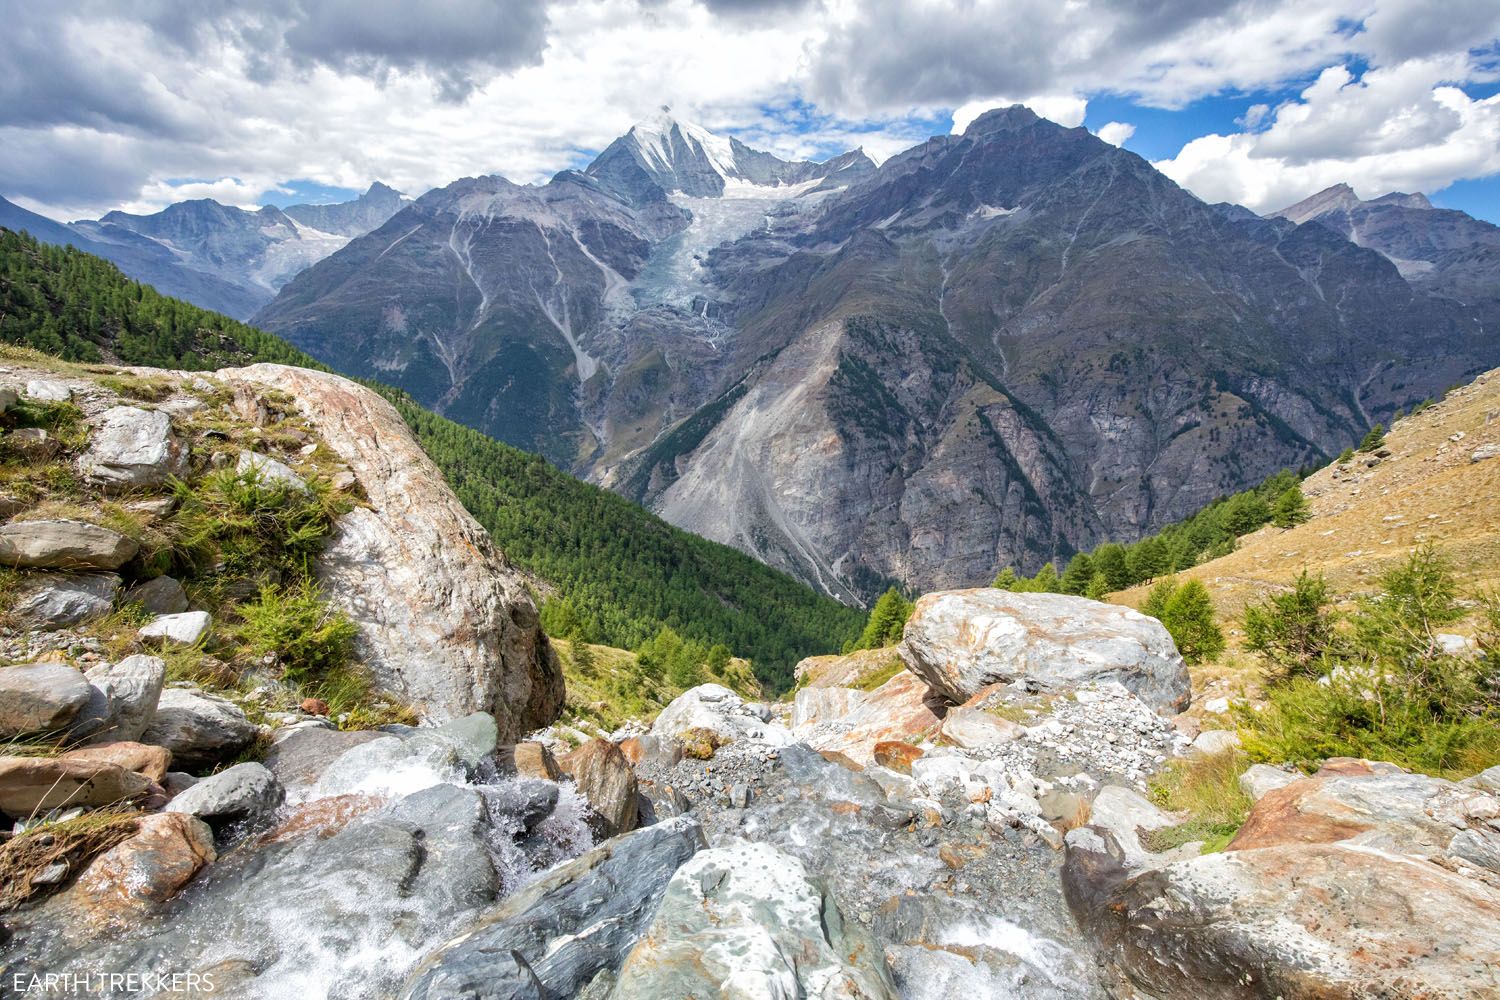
<point x="878" y="676"/>
<point x="355" y="703"/>
<point x="144" y="388"/>
<point x="238" y="526"/>
<point x="309" y="637"/>
<point x="74" y="842"/>
<point x="1207" y="789"/>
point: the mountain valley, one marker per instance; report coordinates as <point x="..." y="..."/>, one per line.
<point x="995" y="348"/>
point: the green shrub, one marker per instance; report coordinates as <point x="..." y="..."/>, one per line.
<point x="308" y="637"/>
<point x="1292" y="629"/>
<point x="238" y="526"/>
<point x="1386" y="689"/>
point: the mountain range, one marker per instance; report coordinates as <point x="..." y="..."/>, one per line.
<point x="217" y="256"/>
<point x="995" y="348"/>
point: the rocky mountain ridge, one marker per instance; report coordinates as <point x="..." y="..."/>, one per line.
<point x="217" y="256"/>
<point x="995" y="348"/>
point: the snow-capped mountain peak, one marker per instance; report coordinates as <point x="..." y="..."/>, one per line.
<point x="666" y="154"/>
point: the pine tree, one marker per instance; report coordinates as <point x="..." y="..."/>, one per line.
<point x="1290" y="508"/>
<point x="1109" y="559"/>
<point x="1155" y="604"/>
<point x="1006" y="580"/>
<point x="1146" y="560"/>
<point x="1098" y="588"/>
<point x="887" y="619"/>
<point x="1189" y="617"/>
<point x="1292" y="629"/>
<point x="1374" y="439"/>
<point x="1080" y="571"/>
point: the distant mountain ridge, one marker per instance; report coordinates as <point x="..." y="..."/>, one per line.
<point x="217" y="256"/>
<point x="682" y="157"/>
<point x="1438" y="249"/>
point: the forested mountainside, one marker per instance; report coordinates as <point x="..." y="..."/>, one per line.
<point x="997" y="348"/>
<point x="625" y="572"/>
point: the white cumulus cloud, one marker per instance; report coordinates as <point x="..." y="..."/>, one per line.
<point x="1115" y="133"/>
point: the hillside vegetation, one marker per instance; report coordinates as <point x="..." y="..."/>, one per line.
<point x="626" y="573"/>
<point x="1434" y="480"/>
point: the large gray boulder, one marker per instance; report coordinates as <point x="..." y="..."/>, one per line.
<point x="200" y="729"/>
<point x="748" y="915"/>
<point x="960" y="641"/>
<point x="122" y="700"/>
<point x="132" y="448"/>
<point x="244" y="792"/>
<point x="40" y="697"/>
<point x="444" y="622"/>
<point x="51" y="601"/>
<point x="555" y="935"/>
<point x="63" y="544"/>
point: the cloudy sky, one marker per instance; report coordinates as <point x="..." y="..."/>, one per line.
<point x="137" y="103"/>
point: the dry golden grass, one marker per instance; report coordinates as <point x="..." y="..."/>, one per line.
<point x="1366" y="519"/>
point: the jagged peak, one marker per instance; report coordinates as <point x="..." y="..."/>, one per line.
<point x="1342" y="198"/>
<point x="1016" y="116"/>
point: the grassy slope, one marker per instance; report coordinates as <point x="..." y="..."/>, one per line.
<point x="1366" y="519"/>
<point x="628" y="571"/>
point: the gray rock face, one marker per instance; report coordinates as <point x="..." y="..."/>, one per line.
<point x="40" y="697"/>
<point x="574" y="922"/>
<point x="185" y="629"/>
<point x="269" y="470"/>
<point x="719" y="710"/>
<point x="57" y="600"/>
<point x="200" y="729"/>
<point x="130" y="448"/>
<point x="122" y="700"/>
<point x="44" y="390"/>
<point x="160" y="595"/>
<point x="443" y="620"/>
<point x="1300" y="904"/>
<point x="376" y="885"/>
<point x="971" y="728"/>
<point x="244" y="792"/>
<point x="63" y="545"/>
<point x="962" y="641"/>
<point x="747" y="914"/>
<point x="299" y="758"/>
